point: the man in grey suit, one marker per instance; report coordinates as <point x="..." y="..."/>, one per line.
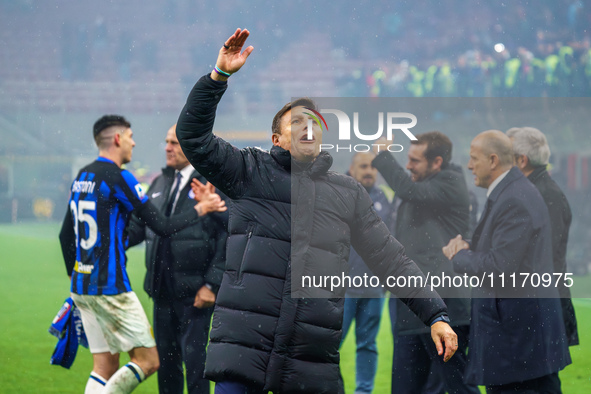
<point x="517" y="339"/>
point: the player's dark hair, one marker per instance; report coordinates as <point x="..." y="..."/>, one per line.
<point x="301" y="102"/>
<point x="438" y="144"/>
<point x="109" y="121"/>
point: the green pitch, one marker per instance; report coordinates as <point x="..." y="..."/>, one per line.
<point x="33" y="286"/>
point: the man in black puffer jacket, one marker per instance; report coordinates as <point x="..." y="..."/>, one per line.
<point x="290" y="215"/>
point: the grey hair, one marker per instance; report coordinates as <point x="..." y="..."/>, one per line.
<point x="532" y="143"/>
<point x="512" y="131"/>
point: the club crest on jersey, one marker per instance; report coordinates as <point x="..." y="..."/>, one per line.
<point x="140" y="191"/>
<point x="62" y="312"/>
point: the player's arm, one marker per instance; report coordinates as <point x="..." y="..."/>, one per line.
<point x="67" y="239"/>
<point x="128" y="191"/>
<point x="202" y="191"/>
<point x="165" y="226"/>
<point x="135" y="231"/>
<point x="222" y="164"/>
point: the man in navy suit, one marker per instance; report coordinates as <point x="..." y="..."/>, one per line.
<point x="517" y="339"/>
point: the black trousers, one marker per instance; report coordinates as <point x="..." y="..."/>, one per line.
<point x="548" y="384"/>
<point x="181" y="333"/>
<point x="416" y="363"/>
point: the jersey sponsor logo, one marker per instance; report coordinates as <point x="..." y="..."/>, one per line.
<point x="140" y="191"/>
<point x="83" y="268"/>
<point x="83" y="187"/>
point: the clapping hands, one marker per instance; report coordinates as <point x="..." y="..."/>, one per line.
<point x="208" y="200"/>
<point x="454" y="246"/>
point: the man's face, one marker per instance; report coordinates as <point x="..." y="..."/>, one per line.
<point x="175" y="157"/>
<point x="294" y="135"/>
<point x="418" y="165"/>
<point x="479" y="164"/>
<point x="362" y="170"/>
<point x="126" y="144"/>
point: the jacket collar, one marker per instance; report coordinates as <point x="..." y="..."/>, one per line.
<point x="513" y="175"/>
<point x="169" y="172"/>
<point x="281" y="156"/>
<point x="314" y="169"/>
<point x="537" y="173"/>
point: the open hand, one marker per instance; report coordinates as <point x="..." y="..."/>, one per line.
<point x="231" y="58"/>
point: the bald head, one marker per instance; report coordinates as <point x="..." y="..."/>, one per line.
<point x="175" y="157"/>
<point x="498" y="143"/>
<point x="491" y="154"/>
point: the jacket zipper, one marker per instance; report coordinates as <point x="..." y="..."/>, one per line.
<point x="249" y="231"/>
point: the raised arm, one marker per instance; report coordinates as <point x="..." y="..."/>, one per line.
<point x="441" y="190"/>
<point x="221" y="163"/>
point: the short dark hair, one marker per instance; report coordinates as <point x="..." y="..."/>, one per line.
<point x="300" y="102"/>
<point x="438" y="144"/>
<point x="109" y="121"/>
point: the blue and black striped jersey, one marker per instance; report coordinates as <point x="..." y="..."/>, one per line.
<point x="101" y="201"/>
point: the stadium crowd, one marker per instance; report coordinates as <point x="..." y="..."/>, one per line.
<point x="561" y="71"/>
<point x="403" y="48"/>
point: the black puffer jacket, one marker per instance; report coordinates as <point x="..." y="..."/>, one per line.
<point x="262" y="335"/>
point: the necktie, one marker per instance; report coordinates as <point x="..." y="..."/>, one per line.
<point x="172" y="197"/>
